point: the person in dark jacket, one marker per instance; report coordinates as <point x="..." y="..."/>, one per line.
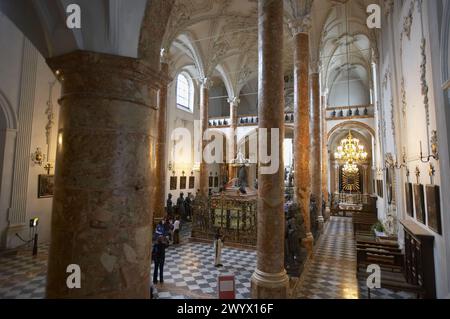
<point x="159" y="256"/>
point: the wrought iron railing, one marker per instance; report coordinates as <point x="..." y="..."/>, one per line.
<point x="235" y="216"/>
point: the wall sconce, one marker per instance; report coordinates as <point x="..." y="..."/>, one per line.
<point x="170" y="166"/>
<point x="390" y="163"/>
<point x="434" y="149"/>
<point x="38" y="157"/>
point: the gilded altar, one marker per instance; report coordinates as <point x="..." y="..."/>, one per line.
<point x="232" y="212"/>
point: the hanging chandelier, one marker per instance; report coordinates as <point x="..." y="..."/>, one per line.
<point x="350" y="152"/>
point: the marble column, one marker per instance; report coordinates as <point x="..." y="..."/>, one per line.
<point x="326" y="213"/>
<point x="205" y="85"/>
<point x="270" y="279"/>
<point x="104" y="176"/>
<point x="302" y="148"/>
<point x="161" y="168"/>
<point x="316" y="145"/>
<point x="234" y="103"/>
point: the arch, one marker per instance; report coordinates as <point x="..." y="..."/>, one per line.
<point x="342" y="125"/>
<point x="8" y="114"/>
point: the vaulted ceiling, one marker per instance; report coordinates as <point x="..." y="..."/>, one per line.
<point x="218" y="39"/>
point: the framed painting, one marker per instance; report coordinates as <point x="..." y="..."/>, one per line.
<point x="183" y="180"/>
<point x="191" y="182"/>
<point x="434" y="208"/>
<point x="409" y="199"/>
<point x="419" y="202"/>
<point x="173" y="183"/>
<point x="46" y="184"/>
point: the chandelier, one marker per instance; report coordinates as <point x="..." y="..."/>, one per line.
<point x="350" y="152"/>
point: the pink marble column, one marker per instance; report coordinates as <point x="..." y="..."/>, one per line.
<point x="104" y="176"/>
<point x="161" y="168"/>
<point x="234" y="103"/>
<point x="325" y="160"/>
<point x="316" y="146"/>
<point x="302" y="115"/>
<point x="204" y="120"/>
<point x="270" y="279"/>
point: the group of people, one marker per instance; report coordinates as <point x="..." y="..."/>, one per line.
<point x="183" y="207"/>
<point x="169" y="229"/>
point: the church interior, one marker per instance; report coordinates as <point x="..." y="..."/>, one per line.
<point x="161" y="149"/>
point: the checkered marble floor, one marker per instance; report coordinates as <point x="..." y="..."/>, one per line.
<point x="331" y="273"/>
<point x="189" y="271"/>
<point x="23" y="276"/>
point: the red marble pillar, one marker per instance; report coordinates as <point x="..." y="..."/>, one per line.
<point x="104" y="176"/>
<point x="302" y="115"/>
<point x="270" y="279"/>
<point x="234" y="103"/>
<point x="325" y="173"/>
<point x="316" y="146"/>
<point x="204" y="120"/>
<point x="161" y="169"/>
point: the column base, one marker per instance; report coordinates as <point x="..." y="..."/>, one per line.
<point x="270" y="285"/>
<point x="308" y="243"/>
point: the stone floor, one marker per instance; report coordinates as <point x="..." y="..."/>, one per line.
<point x="331" y="274"/>
<point x="190" y="273"/>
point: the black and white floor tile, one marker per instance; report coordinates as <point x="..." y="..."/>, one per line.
<point x="190" y="272"/>
<point x="331" y="273"/>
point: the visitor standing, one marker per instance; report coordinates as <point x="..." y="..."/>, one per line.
<point x="159" y="256"/>
<point x="176" y="231"/>
<point x="218" y="245"/>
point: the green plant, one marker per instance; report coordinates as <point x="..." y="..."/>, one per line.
<point x="379" y="227"/>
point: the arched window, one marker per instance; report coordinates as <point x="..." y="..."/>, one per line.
<point x="185" y="92"/>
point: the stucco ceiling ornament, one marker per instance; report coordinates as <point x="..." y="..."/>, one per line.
<point x="234" y="101"/>
<point x="404" y="101"/>
<point x="408" y="20"/>
<point x="206" y="83"/>
<point x="423" y="80"/>
<point x="388" y="7"/>
<point x="386" y="78"/>
<point x="393" y="118"/>
<point x="300" y="25"/>
<point x="50" y="114"/>
<point x="164" y="56"/>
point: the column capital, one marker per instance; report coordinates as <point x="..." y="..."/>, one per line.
<point x="234" y="101"/>
<point x="300" y="25"/>
<point x="110" y="75"/>
<point x="314" y="67"/>
<point x="206" y="83"/>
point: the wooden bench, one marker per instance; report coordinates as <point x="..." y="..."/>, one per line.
<point x="396" y="281"/>
<point x="410" y="271"/>
<point x="387" y="257"/>
<point x="362" y="223"/>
